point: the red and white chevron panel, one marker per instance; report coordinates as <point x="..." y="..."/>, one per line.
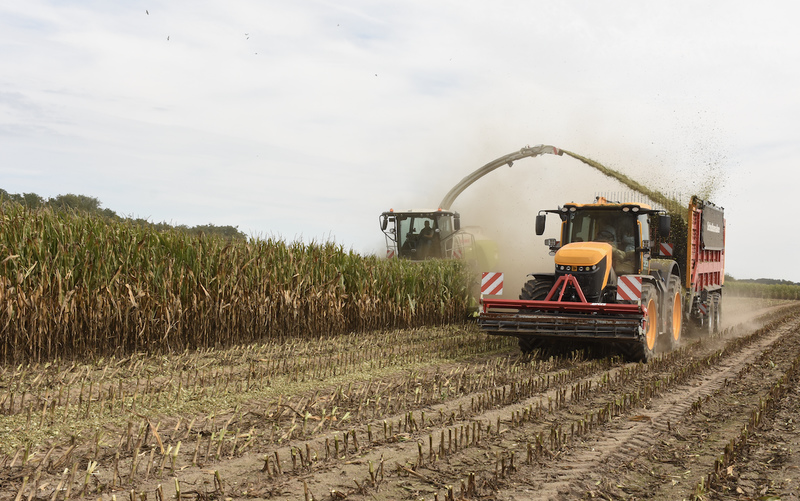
<point x="492" y="283"/>
<point x="703" y="309"/>
<point x="629" y="288"/>
<point x="666" y="249"/>
<point x="389" y="253"/>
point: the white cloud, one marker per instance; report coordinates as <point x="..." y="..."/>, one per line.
<point x="311" y="118"/>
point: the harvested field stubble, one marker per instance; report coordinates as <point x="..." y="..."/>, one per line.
<point x="73" y="285"/>
<point x="429" y="413"/>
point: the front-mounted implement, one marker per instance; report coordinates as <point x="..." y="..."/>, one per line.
<point x="565" y="317"/>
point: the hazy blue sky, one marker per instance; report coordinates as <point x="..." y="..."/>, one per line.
<point x="307" y="119"/>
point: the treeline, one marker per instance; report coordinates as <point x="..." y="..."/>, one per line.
<point x="765" y="288"/>
<point x="82" y="204"/>
<point x="765" y="281"/>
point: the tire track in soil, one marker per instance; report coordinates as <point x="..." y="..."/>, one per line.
<point x="398" y="454"/>
<point x="403" y="480"/>
<point x="575" y="473"/>
<point x="244" y="479"/>
<point x="771" y="465"/>
<point x="431" y="479"/>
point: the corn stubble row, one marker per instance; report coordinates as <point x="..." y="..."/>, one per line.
<point x="532" y="432"/>
<point x="73" y="285"/>
<point x="548" y="429"/>
<point x="275" y="406"/>
<point x="296" y="426"/>
<point x="784" y="377"/>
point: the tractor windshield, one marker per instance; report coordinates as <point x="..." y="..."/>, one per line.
<point x="613" y="226"/>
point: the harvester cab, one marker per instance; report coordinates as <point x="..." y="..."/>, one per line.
<point x="408" y="237"/>
<point x="422" y="234"/>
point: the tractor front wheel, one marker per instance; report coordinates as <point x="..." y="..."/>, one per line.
<point x="533" y="290"/>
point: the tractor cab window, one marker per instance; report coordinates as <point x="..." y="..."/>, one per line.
<point x="615" y="227"/>
<point x="644" y="226"/>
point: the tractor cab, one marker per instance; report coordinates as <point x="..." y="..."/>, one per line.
<point x="420" y="234"/>
<point x="587" y="228"/>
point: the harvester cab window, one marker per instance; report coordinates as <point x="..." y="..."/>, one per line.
<point x="444" y="224"/>
<point x="406" y="239"/>
<point x="418" y="238"/>
<point x="428" y="239"/>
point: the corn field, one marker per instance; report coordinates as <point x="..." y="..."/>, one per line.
<point x="78" y="286"/>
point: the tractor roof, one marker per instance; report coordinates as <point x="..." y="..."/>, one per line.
<point x="609" y="205"/>
<point x="602" y="203"/>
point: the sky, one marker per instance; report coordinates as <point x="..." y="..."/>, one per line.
<point x="304" y="120"/>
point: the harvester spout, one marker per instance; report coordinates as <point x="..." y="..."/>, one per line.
<point x="528" y="151"/>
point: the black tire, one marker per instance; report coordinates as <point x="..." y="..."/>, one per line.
<point x="715" y="313"/>
<point x="711" y="316"/>
<point x="646" y="348"/>
<point x="673" y="311"/>
<point x="533" y="290"/>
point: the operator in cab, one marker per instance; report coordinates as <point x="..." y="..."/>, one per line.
<point x="623" y="248"/>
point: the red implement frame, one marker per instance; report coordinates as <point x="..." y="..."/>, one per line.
<point x="551" y="304"/>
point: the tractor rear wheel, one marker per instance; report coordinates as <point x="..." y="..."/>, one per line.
<point x="533" y="290"/>
<point x="674" y="314"/>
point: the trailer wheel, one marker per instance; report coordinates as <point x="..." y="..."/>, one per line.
<point x="714" y="313"/>
<point x="711" y="316"/>
<point x="533" y="290"/>
<point x="674" y="314"/>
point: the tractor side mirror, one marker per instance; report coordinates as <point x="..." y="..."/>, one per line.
<point x="664" y="223"/>
<point x="384" y="223"/>
<point x="540" y="220"/>
<point x="456" y="221"/>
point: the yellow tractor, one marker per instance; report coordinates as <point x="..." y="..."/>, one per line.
<point x="608" y="289"/>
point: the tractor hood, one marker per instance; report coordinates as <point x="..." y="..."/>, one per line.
<point x="583" y="254"/>
<point x="589" y="263"/>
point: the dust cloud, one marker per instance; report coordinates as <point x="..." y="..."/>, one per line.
<point x="505" y="203"/>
